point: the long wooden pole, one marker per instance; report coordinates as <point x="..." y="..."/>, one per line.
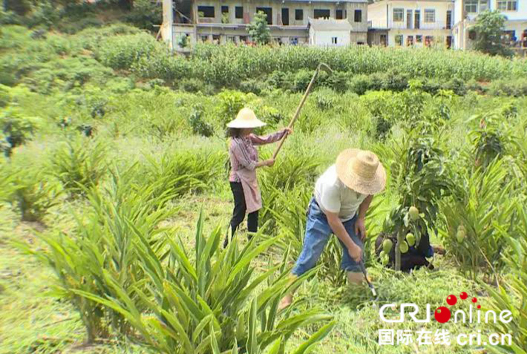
<point x="299" y="108"/>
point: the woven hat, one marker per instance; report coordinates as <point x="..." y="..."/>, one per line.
<point x="246" y="119"/>
<point x="361" y="171"/>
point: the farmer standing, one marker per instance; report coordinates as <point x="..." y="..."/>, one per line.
<point x="244" y="162"/>
<point x="342" y="197"/>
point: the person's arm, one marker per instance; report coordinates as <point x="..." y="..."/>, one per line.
<point x="241" y="155"/>
<point x="360" y="224"/>
<point x="340" y="231"/>
<point x="271" y="138"/>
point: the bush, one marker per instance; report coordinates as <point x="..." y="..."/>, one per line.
<point x="198" y="124"/>
<point x="191" y="85"/>
<point x="79" y="165"/>
<point x="121" y="52"/>
<point x="255" y="86"/>
<point x="145" y="14"/>
<point x="515" y="88"/>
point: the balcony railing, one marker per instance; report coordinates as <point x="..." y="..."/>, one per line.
<point x="383" y="24"/>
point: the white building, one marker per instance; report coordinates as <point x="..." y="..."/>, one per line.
<point x="222" y="21"/>
<point x="466" y="12"/>
<point x="410" y="23"/>
<point x="329" y="32"/>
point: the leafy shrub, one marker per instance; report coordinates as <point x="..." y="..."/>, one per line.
<point x="5" y="96"/>
<point x="16" y="128"/>
<point x="511" y="294"/>
<point x="395" y="81"/>
<point x="145" y="14"/>
<point x="301" y="80"/>
<point x="9" y="18"/>
<point x="515" y="88"/>
<point x="44" y="14"/>
<point x="181" y="172"/>
<point x="199" y="126"/>
<point x="475" y="241"/>
<point x="457" y="86"/>
<point x="231" y="102"/>
<point x="207" y="305"/>
<point x="338" y="81"/>
<point x="79" y="165"/>
<point x="33" y="196"/>
<point x="255" y="86"/>
<point x="101" y="256"/>
<point x="121" y="52"/>
<point x="191" y="85"/>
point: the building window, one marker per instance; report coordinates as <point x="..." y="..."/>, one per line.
<point x="471" y="6"/>
<point x="299" y="15"/>
<point x="206" y="11"/>
<point x="410" y="41"/>
<point x="339" y="15"/>
<point x="483" y="5"/>
<point x="238" y="12"/>
<point x="285" y="16"/>
<point x="358" y="16"/>
<point x="204" y="39"/>
<point x="399" y="40"/>
<point x="384" y="40"/>
<point x="398" y="15"/>
<point x="449" y="19"/>
<point x="429" y="40"/>
<point x="430" y="16"/>
<point x="419" y="38"/>
<point x="224" y="9"/>
<point x="508" y="5"/>
<point x="334" y="40"/>
<point x="268" y="11"/>
<point x="321" y="13"/>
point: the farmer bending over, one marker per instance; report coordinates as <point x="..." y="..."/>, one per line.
<point x="244" y="162"/>
<point x="342" y="196"/>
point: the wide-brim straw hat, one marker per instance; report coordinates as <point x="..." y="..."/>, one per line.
<point x="246" y="119"/>
<point x="361" y="171"/>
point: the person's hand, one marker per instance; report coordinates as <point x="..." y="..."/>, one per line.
<point x="355" y="252"/>
<point x="269" y="162"/>
<point x="360" y="228"/>
<point x="288" y="131"/>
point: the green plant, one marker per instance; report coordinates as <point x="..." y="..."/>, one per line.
<point x="79" y="165"/>
<point x="16" y="127"/>
<point x="209" y="303"/>
<point x="511" y="294"/>
<point x="483" y="204"/>
<point x="199" y="126"/>
<point x="489" y="28"/>
<point x="259" y="30"/>
<point x="28" y="191"/>
<point x="101" y="256"/>
<point x="231" y="102"/>
<point x="421" y="179"/>
<point x="181" y="172"/>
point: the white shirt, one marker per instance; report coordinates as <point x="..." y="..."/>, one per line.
<point x="335" y="197"/>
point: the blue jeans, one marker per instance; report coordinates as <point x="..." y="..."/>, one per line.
<point x="317" y="236"/>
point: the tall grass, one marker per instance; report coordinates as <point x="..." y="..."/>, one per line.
<point x="101" y="252"/>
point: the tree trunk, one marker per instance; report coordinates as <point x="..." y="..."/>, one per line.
<point x="400" y="239"/>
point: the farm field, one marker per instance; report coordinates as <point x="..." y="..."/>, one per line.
<point x="115" y="197"/>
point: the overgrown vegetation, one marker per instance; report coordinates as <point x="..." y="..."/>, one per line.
<point x="113" y="147"/>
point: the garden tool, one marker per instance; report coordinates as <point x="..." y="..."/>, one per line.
<point x="302" y="101"/>
<point x="370" y="285"/>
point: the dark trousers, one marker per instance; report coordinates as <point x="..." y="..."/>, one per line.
<point x="238" y="213"/>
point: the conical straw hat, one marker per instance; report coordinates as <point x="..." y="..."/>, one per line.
<point x="361" y="171"/>
<point x="246" y="119"/>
